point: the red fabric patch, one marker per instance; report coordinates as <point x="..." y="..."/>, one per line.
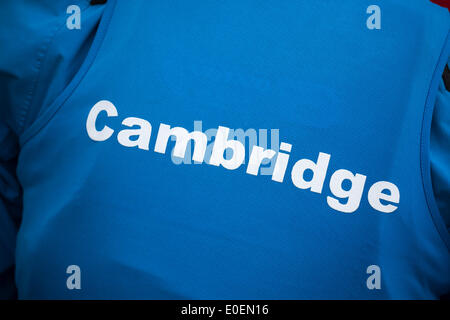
<point x="442" y="3"/>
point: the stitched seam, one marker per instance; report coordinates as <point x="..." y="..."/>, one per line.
<point x="40" y="59"/>
<point x="54" y="107"/>
<point x="424" y="154"/>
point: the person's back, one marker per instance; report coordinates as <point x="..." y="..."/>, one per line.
<point x="236" y="150"/>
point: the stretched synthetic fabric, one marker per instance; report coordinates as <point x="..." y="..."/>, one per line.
<point x="341" y="206"/>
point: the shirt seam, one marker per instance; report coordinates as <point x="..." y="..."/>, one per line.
<point x="41" y="56"/>
<point x="425" y="139"/>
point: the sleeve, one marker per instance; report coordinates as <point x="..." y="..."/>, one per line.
<point x="10" y="210"/>
<point x="440" y="148"/>
<point x="39" y="55"/>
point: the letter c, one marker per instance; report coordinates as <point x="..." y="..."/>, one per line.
<point x="106" y="132"/>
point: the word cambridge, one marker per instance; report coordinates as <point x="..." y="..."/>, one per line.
<point x="136" y="133"/>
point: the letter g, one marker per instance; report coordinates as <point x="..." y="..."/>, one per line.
<point x="106" y="132"/>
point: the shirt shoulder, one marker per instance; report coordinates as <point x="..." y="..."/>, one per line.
<point x="28" y="37"/>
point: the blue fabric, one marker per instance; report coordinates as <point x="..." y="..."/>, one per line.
<point x="38" y="57"/>
<point x="440" y="152"/>
<point x="188" y="242"/>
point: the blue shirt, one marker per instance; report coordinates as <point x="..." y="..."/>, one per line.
<point x="40" y="56"/>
